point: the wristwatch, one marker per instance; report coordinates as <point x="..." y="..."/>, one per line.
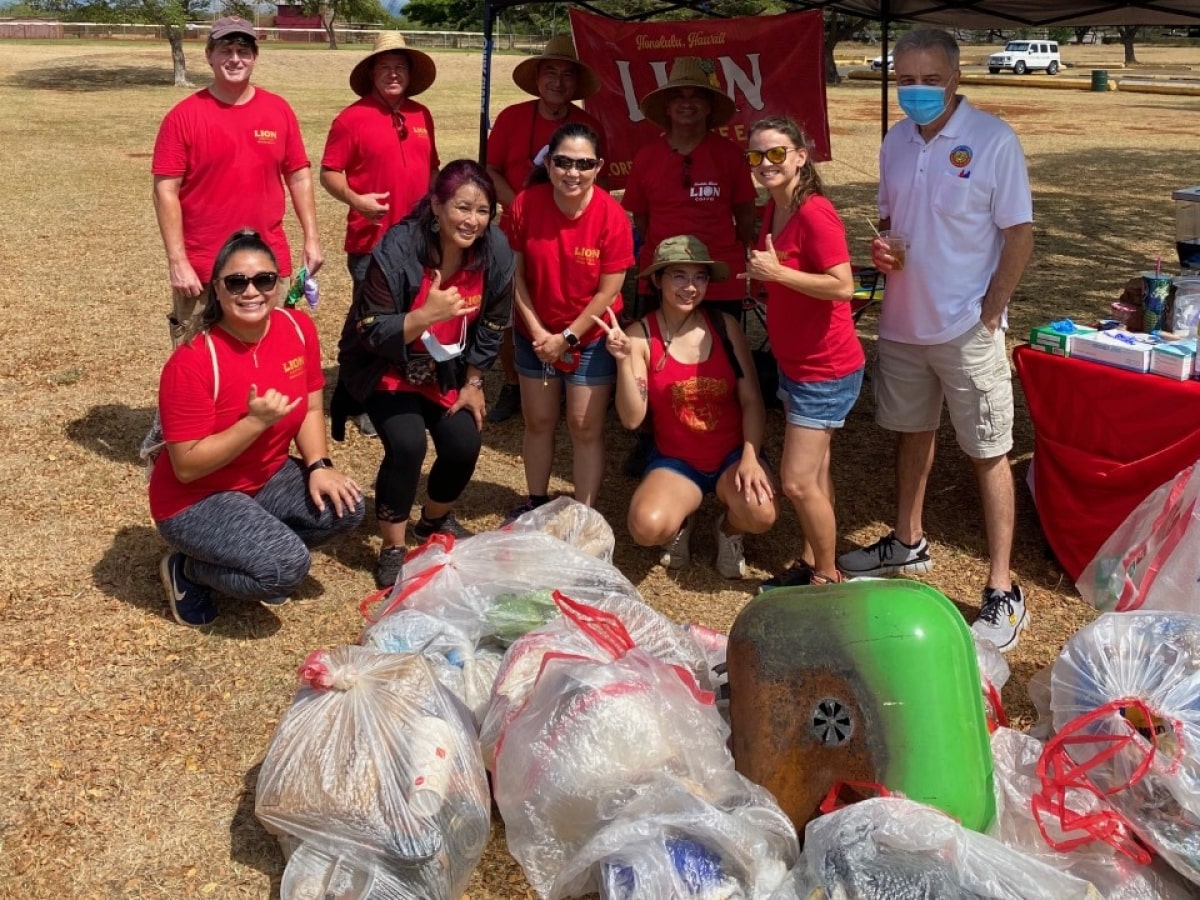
<point x="570" y="338"/>
<point x="325" y="463"/>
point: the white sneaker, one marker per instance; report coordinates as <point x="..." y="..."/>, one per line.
<point x="1002" y="617"/>
<point x="887" y="556"/>
<point x="677" y="552"/>
<point x="731" y="554"/>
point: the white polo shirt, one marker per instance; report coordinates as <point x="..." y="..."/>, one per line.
<point x="952" y="197"/>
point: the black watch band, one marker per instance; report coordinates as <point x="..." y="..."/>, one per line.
<point x="323" y="463"/>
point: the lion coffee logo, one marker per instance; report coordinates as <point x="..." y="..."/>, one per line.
<point x="294" y="367"/>
<point x="266" y="135"/>
<point x="705" y="190"/>
<point x="961" y="156"/>
<point x="697" y="402"/>
<point x="588" y="256"/>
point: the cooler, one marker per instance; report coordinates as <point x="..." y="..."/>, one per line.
<point x="1187" y="227"/>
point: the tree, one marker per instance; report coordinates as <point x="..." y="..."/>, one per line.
<point x="171" y="15"/>
<point x="346" y="10"/>
<point x="838" y="28"/>
<point x="1128" y="33"/>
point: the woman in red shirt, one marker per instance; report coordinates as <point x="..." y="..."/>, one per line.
<point x="237" y="510"/>
<point x="573" y="244"/>
<point x="692" y="370"/>
<point x="803" y="260"/>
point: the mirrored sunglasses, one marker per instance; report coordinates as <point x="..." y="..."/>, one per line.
<point x="774" y="155"/>
<point x="263" y="282"/>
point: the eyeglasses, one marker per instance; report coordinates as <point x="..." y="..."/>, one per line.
<point x="399" y="124"/>
<point x="775" y="155"/>
<point x="687" y="172"/>
<point x="264" y="282"/>
<point x="567" y="163"/>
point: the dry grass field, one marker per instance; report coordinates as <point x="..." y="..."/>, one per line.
<point x="131" y="745"/>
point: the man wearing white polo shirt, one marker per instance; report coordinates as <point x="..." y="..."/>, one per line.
<point x="952" y="179"/>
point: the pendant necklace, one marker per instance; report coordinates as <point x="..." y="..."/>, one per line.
<point x="668" y="337"/>
<point x="252" y="348"/>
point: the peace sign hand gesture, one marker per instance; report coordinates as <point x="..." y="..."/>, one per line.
<point x="617" y="342"/>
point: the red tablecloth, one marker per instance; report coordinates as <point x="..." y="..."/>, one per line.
<point x="1104" y="438"/>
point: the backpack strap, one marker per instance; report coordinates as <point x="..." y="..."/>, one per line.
<point x="721" y="327"/>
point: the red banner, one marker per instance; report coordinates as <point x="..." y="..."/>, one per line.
<point x="768" y="65"/>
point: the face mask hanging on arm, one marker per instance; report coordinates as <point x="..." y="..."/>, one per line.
<point x="921" y="102"/>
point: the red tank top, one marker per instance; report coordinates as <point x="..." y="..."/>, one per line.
<point x="697" y="416"/>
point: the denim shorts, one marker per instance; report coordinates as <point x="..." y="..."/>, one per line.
<point x="596" y="365"/>
<point x="819" y="404"/>
<point x="706" y="481"/>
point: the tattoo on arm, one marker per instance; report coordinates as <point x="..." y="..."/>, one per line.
<point x="641" y="386"/>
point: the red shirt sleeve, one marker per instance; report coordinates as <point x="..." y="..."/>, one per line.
<point x="636" y="199"/>
<point x="314" y="373"/>
<point x="185" y="393"/>
<point x="294" y="156"/>
<point x="517" y="238"/>
<point x="434" y="161"/>
<point x="822" y="235"/>
<point x="616" y="248"/>
<point x="170" y="148"/>
<point x="339" y="146"/>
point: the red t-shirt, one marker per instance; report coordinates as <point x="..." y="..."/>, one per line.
<point x="518" y="135"/>
<point x="696" y="413"/>
<point x="364" y="144"/>
<point x="285" y="362"/>
<point x="693" y="198"/>
<point x="451" y="331"/>
<point x="564" y="258"/>
<point x="232" y="160"/>
<point x="813" y="340"/>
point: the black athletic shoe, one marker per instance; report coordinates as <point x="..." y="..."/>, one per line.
<point x="797" y="574"/>
<point x="508" y="404"/>
<point x="389" y="567"/>
<point x="447" y="524"/>
<point x="639" y="457"/>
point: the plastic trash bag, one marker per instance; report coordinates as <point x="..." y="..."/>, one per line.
<point x="596" y="733"/>
<point x="468" y="671"/>
<point x="1125" y="695"/>
<point x="1115" y="875"/>
<point x="993" y="673"/>
<point x="1152" y="561"/>
<point x="668" y="843"/>
<point x="375" y="764"/>
<point x="571" y="521"/>
<point x="890" y="848"/>
<point x="459" y="582"/>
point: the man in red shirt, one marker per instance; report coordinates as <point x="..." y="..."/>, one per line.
<point x="690" y="181"/>
<point x="221" y="160"/>
<point x="381" y="157"/>
<point x="555" y="78"/>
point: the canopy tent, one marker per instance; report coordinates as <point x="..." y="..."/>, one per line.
<point x="947" y="13"/>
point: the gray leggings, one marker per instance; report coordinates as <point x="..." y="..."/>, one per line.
<point x="255" y="548"/>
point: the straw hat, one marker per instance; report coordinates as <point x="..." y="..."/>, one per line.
<point x="560" y="46"/>
<point x="688" y="71"/>
<point x="421" y="68"/>
<point x="688" y="250"/>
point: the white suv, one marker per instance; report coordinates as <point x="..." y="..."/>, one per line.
<point x="1025" y="56"/>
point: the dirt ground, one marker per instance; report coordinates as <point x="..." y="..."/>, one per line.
<point x="132" y="745"/>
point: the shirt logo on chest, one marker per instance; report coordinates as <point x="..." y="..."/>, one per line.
<point x="294" y="367"/>
<point x="705" y="190"/>
<point x="266" y="135"/>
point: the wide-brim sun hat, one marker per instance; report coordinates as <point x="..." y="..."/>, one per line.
<point x="688" y="71"/>
<point x="421" y="69"/>
<point x="685" y="250"/>
<point x="561" y="47"/>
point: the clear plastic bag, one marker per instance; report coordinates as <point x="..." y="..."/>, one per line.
<point x="468" y="671"/>
<point x="459" y="583"/>
<point x="573" y="522"/>
<point x="376" y="764"/>
<point x="1115" y="875"/>
<point x="993" y="673"/>
<point x="668" y="843"/>
<point x="596" y="733"/>
<point x="890" y="848"/>
<point x="1149" y="562"/>
<point x="1125" y="695"/>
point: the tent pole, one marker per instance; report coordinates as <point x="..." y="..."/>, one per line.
<point x="489" y="25"/>
<point x="885" y="18"/>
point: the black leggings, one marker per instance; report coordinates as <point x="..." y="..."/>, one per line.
<point x="401" y="418"/>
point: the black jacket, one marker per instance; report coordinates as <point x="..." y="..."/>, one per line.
<point x="373" y="337"/>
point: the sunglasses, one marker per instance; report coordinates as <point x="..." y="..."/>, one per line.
<point x="400" y="125"/>
<point x="775" y="155"/>
<point x="264" y="282"/>
<point x="687" y="172"/>
<point x="566" y="163"/>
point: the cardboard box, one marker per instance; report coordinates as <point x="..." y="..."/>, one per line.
<point x="1174" y="359"/>
<point x="1048" y="340"/>
<point x="1123" y="349"/>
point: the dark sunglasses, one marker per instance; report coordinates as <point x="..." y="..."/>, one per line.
<point x="687" y="172"/>
<point x="775" y="155"/>
<point x="566" y="163"/>
<point x="400" y="125"/>
<point x="263" y="282"/>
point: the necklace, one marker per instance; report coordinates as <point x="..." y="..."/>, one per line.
<point x="251" y="347"/>
<point x="668" y="336"/>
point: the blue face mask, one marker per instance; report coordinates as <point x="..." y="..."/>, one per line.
<point x="922" y="102"/>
